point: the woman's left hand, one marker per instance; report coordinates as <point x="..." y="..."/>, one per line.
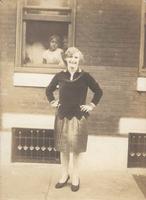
<point x="87" y="108"/>
<point x="55" y="103"/>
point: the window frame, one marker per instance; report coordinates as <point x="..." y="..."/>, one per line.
<point x="142" y="68"/>
<point x="22" y="19"/>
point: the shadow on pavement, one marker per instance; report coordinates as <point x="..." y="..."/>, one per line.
<point x="141" y="182"/>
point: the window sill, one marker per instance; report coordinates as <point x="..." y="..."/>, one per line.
<point x="141" y="84"/>
<point x="31" y="79"/>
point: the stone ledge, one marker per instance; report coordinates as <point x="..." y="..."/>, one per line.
<point x="141" y="84"/>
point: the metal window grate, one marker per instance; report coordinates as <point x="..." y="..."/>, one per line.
<point x="34" y="145"/>
<point x="137" y="150"/>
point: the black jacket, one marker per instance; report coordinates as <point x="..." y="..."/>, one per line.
<point x="72" y="94"/>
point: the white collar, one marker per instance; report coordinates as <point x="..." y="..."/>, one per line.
<point x="65" y="70"/>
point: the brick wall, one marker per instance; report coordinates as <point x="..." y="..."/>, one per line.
<point x="7" y="30"/>
<point x="108" y="33"/>
<point x="120" y="99"/>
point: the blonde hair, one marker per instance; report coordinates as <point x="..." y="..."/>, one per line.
<point x="72" y="50"/>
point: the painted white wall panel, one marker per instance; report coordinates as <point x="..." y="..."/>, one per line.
<point x="31" y="79"/>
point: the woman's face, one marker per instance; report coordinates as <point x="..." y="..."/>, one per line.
<point x="53" y="44"/>
<point x="73" y="62"/>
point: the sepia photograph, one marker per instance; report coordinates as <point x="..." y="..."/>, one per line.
<point x="72" y="99"/>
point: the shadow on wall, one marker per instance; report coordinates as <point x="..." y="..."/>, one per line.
<point x="141" y="182"/>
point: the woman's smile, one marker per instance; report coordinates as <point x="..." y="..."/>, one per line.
<point x="73" y="62"/>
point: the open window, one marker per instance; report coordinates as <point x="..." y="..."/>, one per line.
<point x="37" y="22"/>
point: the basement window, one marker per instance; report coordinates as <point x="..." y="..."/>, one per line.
<point x="34" y="146"/>
<point x="137" y="150"/>
<point x="37" y="22"/>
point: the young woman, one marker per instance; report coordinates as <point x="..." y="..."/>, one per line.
<point x="72" y="113"/>
<point x="53" y="55"/>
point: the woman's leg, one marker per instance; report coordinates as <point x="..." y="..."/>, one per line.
<point x="75" y="173"/>
<point x="65" y="157"/>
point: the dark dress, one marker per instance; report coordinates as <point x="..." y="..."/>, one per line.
<point x="71" y="123"/>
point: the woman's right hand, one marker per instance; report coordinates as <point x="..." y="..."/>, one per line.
<point x="54" y="103"/>
<point x="87" y="107"/>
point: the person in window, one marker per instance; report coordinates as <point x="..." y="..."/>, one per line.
<point x="53" y="55"/>
<point x="70" y="128"/>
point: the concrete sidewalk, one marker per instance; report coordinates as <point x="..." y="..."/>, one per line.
<point x="36" y="182"/>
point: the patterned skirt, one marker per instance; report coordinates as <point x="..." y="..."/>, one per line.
<point x="70" y="134"/>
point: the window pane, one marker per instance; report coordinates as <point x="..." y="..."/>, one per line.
<point x="37" y="40"/>
<point x="145" y="48"/>
<point x="49" y="3"/>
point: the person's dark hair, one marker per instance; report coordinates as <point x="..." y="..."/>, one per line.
<point x="57" y="37"/>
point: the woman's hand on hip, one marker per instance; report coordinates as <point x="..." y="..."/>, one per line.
<point x="54" y="103"/>
<point x="87" y="107"/>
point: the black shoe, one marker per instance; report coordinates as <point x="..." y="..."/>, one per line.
<point x="75" y="188"/>
<point x="60" y="185"/>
